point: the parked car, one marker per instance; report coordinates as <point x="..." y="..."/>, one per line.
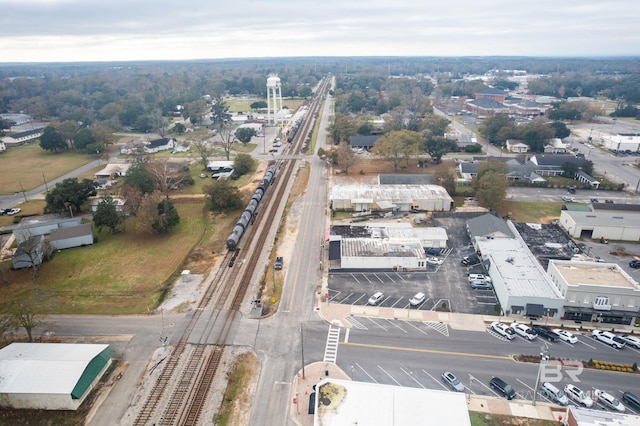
<point x="470" y="260"/>
<point x="523" y="331"/>
<point x="4" y="211"/>
<point x="479" y="277"/>
<point x="13" y="211"/>
<point x="565" y="335"/>
<point x="452" y="381"/>
<point x="503" y="330"/>
<point x="432" y="251"/>
<point x="569" y="199"/>
<point x="279" y="263"/>
<point x="609" y="401"/>
<point x="277" y="144"/>
<point x="571" y="190"/>
<point x="609" y="201"/>
<point x="635" y="264"/>
<point x="608" y="338"/>
<point x="376" y="298"/>
<point x="417" y="299"/>
<point x="434" y="261"/>
<point x="481" y="285"/>
<point x="575" y="393"/>
<point x="632" y="400"/>
<point x="502" y="387"/>
<point x="595" y="200"/>
<point x="630" y="340"/>
<point x="546" y="332"/>
<point x="554" y="394"/>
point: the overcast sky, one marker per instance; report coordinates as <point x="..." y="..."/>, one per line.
<point x="106" y="30"/>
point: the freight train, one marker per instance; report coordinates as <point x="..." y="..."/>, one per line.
<point x="249" y="213"/>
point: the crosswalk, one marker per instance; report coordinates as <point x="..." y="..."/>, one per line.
<point x="331" y="347"/>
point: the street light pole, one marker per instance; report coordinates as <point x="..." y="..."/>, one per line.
<point x="543" y="361"/>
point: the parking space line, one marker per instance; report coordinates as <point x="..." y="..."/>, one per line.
<point x="419" y="329"/>
<point x="358" y="299"/>
<point x="387" y="275"/>
<point x="346" y="335"/>
<point x="471" y="378"/>
<point x="400" y="276"/>
<point x="410" y="374"/>
<point x="379" y="279"/>
<point x="390" y="376"/>
<point x="397" y="301"/>
<point x="394" y="323"/>
<point x="604" y="344"/>
<point x="345" y="298"/>
<point x="436" y="380"/>
<point x="586" y="344"/>
<point x="376" y="323"/>
<point x="354" y="277"/>
<point x="365" y="372"/>
<point x="337" y="293"/>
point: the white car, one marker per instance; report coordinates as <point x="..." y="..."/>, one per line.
<point x="608" y="338"/>
<point x="566" y="336"/>
<point x="277" y="144"/>
<point x="608" y="400"/>
<point x="14" y="211"/>
<point x="452" y="381"/>
<point x="524" y="331"/>
<point x="376" y="298"/>
<point x="418" y="299"/>
<point x="434" y="261"/>
<point x="479" y="277"/>
<point x="576" y="394"/>
<point x="630" y="340"/>
<point x="503" y="330"/>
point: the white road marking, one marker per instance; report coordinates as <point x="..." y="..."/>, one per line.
<point x="379" y="279"/>
<point x="354" y="277"/>
<point x="370" y="319"/>
<point x="395" y="324"/>
<point x="586" y="344"/>
<point x="331" y="347"/>
<point x="346" y="335"/>
<point x="358" y="299"/>
<point x="410" y="374"/>
<point x="365" y="372"/>
<point x="436" y="380"/>
<point x="390" y="376"/>
<point x="440" y="327"/>
<point x="357" y="324"/>
<point x="419" y="329"/>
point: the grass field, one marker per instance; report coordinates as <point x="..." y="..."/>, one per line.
<point x="25" y="165"/>
<point x="120" y="274"/>
<point x="538" y="212"/>
<point x="243" y="104"/>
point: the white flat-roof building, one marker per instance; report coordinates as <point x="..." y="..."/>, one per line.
<point x="618" y="225"/>
<point x="521" y="284"/>
<point x="358" y="403"/>
<point x="595" y="291"/>
<point x="50" y="376"/>
<point x="384" y="197"/>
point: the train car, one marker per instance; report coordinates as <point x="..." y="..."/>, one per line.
<point x="250" y="211"/>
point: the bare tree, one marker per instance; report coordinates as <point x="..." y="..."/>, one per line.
<point x="148" y="212"/>
<point x="346" y="157"/>
<point x="31" y="252"/>
<point x="28" y="314"/>
<point x="167" y="176"/>
<point x="226" y="139"/>
<point x="204" y="151"/>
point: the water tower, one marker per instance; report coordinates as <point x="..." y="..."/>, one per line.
<point x="274" y="99"/>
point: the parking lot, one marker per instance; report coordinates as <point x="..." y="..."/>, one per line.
<point x="446" y="286"/>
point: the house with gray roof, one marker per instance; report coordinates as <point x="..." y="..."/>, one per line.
<point x="22" y="137"/>
<point x="489" y="226"/>
<point x="363" y="142"/>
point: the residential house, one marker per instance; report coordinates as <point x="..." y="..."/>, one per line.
<point x="113" y="170"/>
<point x="119" y="203"/>
<point x="363" y="142"/>
<point x="75" y="236"/>
<point x="515" y="145"/>
<point x="30" y="252"/>
<point x="555" y="146"/>
<point x="158" y="145"/>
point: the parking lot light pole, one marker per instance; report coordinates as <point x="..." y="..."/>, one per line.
<point x="543" y="361"/>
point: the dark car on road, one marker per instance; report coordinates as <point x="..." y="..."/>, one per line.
<point x="635" y="264"/>
<point x="470" y="260"/>
<point x="546" y="332"/>
<point x="502" y="387"/>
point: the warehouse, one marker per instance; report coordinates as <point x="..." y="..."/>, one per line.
<point x="397" y="198"/>
<point x="50" y="376"/>
<point x="603" y="220"/>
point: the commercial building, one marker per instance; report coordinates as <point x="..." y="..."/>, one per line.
<point x="603" y="220"/>
<point x="402" y="198"/>
<point x="50" y="376"/>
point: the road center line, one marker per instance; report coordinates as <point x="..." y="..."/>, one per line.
<point x="428" y="351"/>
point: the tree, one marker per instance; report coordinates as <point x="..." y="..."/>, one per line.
<point x="490" y="184"/>
<point x="342" y="127"/>
<point x="104" y="136"/>
<point x="69" y="195"/>
<point x="346" y="157"/>
<point x="133" y="197"/>
<point x="561" y="129"/>
<point x="438" y="146"/>
<point x="68" y="130"/>
<point x="51" y="140"/>
<point x="179" y="128"/>
<point x="107" y="215"/>
<point x="242" y="164"/>
<point x="492" y="126"/>
<point x="258" y="105"/>
<point x="244" y="134"/>
<point x="446" y="177"/>
<point x="148" y="212"/>
<point x="536" y="133"/>
<point x="138" y="176"/>
<point x="28" y="314"/>
<point x="226" y="140"/>
<point x="167" y="217"/>
<point x="222" y="196"/>
<point x="84" y="138"/>
<point x="167" y="176"/>
<point x="221" y="120"/>
<point x="397" y="146"/>
<point x="433" y="125"/>
<point x="195" y="110"/>
<point x="204" y="151"/>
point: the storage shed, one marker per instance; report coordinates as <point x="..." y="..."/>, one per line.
<point x="50" y="376"/>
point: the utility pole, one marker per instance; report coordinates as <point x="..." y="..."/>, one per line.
<point x="302" y="348"/>
<point x="45" y="181"/>
<point x="22" y="190"/>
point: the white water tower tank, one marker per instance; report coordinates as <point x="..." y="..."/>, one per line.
<point x="274" y="98"/>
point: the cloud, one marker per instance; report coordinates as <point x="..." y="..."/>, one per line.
<point x="67" y="30"/>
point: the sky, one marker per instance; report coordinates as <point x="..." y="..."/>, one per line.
<point x="124" y="30"/>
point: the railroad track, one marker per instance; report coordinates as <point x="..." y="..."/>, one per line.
<point x="230" y="284"/>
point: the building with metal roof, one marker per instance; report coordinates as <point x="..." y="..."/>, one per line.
<point x="50" y="376"/>
<point x="402" y="198"/>
<point x="596" y="291"/>
<point x="521" y="284"/>
<point x="621" y="224"/>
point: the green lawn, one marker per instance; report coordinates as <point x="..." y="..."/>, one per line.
<point x="25" y="165"/>
<point x="535" y="212"/>
<point x="120" y="274"/>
